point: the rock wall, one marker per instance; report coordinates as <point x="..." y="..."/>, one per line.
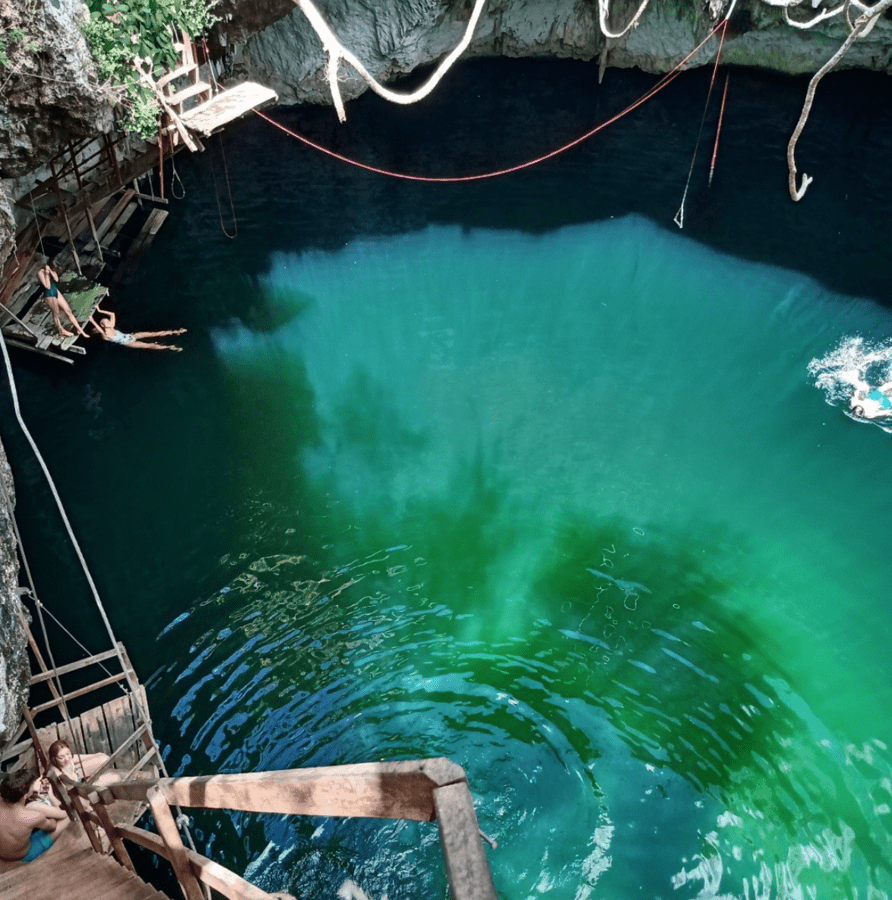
<point x="14" y="666"/>
<point x="393" y="37"/>
<point x="50" y="94"/>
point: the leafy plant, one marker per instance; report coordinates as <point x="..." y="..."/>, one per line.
<point x="7" y="39"/>
<point x="119" y="31"/>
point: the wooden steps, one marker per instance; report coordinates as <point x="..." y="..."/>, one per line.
<point x="73" y="871"/>
<point x="130" y="262"/>
<point x="178" y="98"/>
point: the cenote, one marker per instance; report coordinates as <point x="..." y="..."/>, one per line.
<point x="513" y="472"/>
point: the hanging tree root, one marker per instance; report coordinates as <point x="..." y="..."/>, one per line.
<point x="604" y="14"/>
<point x="861" y="26"/>
<point x="336" y="52"/>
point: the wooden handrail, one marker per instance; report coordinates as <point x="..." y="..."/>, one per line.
<point x="422" y="790"/>
<point x="215" y="876"/>
<point x="391" y="790"/>
<point x="175" y="853"/>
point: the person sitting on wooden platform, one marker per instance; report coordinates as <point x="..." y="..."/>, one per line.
<point x="54" y="299"/>
<point x="78" y="766"/>
<point x="27" y="829"/>
<point x="106" y="329"/>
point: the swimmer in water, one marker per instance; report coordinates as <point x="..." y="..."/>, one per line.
<point x="872" y="403"/>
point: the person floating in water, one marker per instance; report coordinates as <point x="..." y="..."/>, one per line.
<point x="105" y="327"/>
<point x="873" y="403"/>
<point x="54" y="299"/>
<point x="27" y="829"/>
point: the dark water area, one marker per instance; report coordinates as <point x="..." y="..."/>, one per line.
<point x="511" y="471"/>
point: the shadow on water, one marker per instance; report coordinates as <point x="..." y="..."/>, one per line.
<point x="574" y="670"/>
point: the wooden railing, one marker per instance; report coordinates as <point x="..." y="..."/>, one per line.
<point x="422" y="790"/>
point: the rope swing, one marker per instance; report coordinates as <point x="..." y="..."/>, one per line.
<point x="679" y="216"/>
<point x="665" y="81"/>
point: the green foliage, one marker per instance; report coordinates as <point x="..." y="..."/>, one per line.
<point x="120" y="30"/>
<point x="7" y="39"/>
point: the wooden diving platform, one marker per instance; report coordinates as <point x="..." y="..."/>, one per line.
<point x="226" y="107"/>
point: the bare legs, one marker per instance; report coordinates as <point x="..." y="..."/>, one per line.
<point x="140" y="344"/>
<point x="59" y="305"/>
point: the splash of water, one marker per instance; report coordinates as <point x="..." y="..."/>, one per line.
<point x="855" y="364"/>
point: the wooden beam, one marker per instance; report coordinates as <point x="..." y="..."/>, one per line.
<point x="371" y="790"/>
<point x="176" y="851"/>
<point x="80" y="692"/>
<point x="73" y="667"/>
<point x="392" y="790"/>
<point x="109" y="827"/>
<point x="467" y="869"/>
<point x="215" y="876"/>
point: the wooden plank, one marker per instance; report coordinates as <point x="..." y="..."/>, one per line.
<point x="394" y="790"/>
<point x="215" y="876"/>
<point x="112" y="679"/>
<point x="178" y="98"/>
<point x="137" y="767"/>
<point x="120" y="723"/>
<point x="122" y="220"/>
<point x="227" y="106"/>
<point x="176" y="852"/>
<point x="109" y="220"/>
<point x="96" y="737"/>
<point x="467" y="869"/>
<point x="73" y="667"/>
<point x="176" y="73"/>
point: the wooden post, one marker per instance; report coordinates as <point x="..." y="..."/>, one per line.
<point x="113" y="159"/>
<point x="167" y="829"/>
<point x="161" y="154"/>
<point x="38" y="750"/>
<point x="84" y="816"/>
<point x="98" y="801"/>
<point x="467" y="869"/>
<point x="77" y="261"/>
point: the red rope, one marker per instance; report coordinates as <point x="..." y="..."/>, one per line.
<point x="718" y="131"/>
<point x="667" y="79"/>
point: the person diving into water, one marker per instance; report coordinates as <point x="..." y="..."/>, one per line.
<point x="105" y="328"/>
<point x="872" y="403"/>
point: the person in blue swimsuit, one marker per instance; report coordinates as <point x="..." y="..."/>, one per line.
<point x="52" y="296"/>
<point x="105" y="327"/>
<point x="27" y="829"/>
<point x="874" y="403"/>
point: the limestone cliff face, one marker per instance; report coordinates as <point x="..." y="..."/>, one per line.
<point x="393" y="37"/>
<point x="49" y="92"/>
<point x="14" y="668"/>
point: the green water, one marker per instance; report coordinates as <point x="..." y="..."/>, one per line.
<point x="558" y="500"/>
<point x="570" y="512"/>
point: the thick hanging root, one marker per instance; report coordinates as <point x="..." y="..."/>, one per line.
<point x="336" y="52"/>
<point x="861" y="26"/>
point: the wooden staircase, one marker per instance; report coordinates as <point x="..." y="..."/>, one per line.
<point x="72" y="870"/>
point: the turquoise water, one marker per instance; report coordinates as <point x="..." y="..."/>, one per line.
<point x="584" y="525"/>
<point x="563" y="504"/>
